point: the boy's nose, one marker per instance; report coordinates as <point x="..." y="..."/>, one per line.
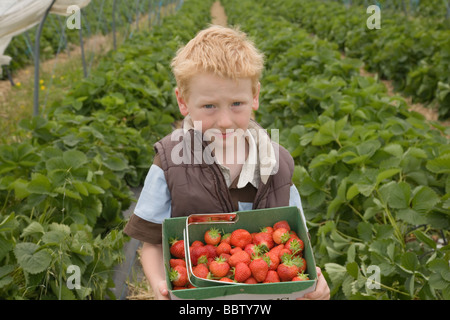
<point x="224" y="121"/>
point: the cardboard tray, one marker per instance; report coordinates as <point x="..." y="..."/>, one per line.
<point x="190" y="228"/>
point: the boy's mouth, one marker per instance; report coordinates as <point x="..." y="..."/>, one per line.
<point x="227" y="134"/>
<point x="223" y="134"/>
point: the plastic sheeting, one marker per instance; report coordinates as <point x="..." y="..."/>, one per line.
<point x="17" y="16"/>
<point x="60" y="6"/>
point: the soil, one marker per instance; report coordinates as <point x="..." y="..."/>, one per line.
<point x="96" y="43"/>
<point x="218" y="14"/>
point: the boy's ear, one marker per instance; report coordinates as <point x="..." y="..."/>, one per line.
<point x="181" y="103"/>
<point x="255" y="105"/>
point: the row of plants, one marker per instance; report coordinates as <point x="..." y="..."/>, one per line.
<point x="95" y="18"/>
<point x="63" y="189"/>
<point x="373" y="176"/>
<point x="411" y="53"/>
<point x="439" y="10"/>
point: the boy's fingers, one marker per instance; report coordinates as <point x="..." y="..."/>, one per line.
<point x="322" y="290"/>
<point x="163" y="289"/>
<point x="319" y="271"/>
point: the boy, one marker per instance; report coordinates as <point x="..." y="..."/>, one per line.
<point x="221" y="160"/>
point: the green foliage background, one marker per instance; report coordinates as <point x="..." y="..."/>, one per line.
<point x="373" y="176"/>
<point x="63" y="190"/>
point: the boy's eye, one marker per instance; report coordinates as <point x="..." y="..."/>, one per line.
<point x="208" y="106"/>
<point x="236" y="103"/>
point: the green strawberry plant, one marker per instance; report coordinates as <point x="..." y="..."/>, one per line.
<point x="372" y="175"/>
<point x="64" y="188"/>
<point x="413" y="53"/>
<point x="420" y="10"/>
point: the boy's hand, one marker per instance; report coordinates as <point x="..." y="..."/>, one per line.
<point x="322" y="291"/>
<point x="162" y="293"/>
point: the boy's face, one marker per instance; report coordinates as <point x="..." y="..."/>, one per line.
<point x="222" y="104"/>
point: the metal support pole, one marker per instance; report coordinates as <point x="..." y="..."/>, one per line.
<point x="66" y="43"/>
<point x="8" y="73"/>
<point x="36" y="62"/>
<point x="29" y="44"/>
<point x="159" y="12"/>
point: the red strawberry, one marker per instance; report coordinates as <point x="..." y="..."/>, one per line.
<point x="208" y="260"/>
<point x="240" y="256"/>
<point x="197" y="243"/>
<point x="212" y="252"/>
<point x="219" y="267"/>
<point x="268" y="230"/>
<point x="295" y="245"/>
<point x="300" y="277"/>
<point x="226" y="238"/>
<point x="293" y="234"/>
<point x="226" y="256"/>
<point x="282" y="224"/>
<point x="177" y="262"/>
<point x="263" y="239"/>
<point x="287" y="269"/>
<point x="300" y="262"/>
<point x="178" y="276"/>
<point x="177" y="248"/>
<point x="252" y="249"/>
<point x="259" y="268"/>
<point x="277" y="249"/>
<point x="274" y="260"/>
<point x="190" y="286"/>
<point x="212" y="236"/>
<point x="280" y="235"/>
<point x="240" y="238"/>
<point x="251" y="280"/>
<point x="200" y="271"/>
<point x="223" y="247"/>
<point x="234" y="250"/>
<point x="225" y="279"/>
<point x="241" y="272"/>
<point x="283" y="252"/>
<point x="272" y="276"/>
<point x="197" y="252"/>
<point x="179" y="288"/>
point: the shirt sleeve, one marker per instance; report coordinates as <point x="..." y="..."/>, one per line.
<point x="154" y="203"/>
<point x="153" y="206"/>
<point x="295" y="200"/>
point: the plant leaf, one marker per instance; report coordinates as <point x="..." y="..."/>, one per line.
<point x="31" y="259"/>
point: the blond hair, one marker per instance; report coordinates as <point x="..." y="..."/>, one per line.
<point x="225" y="52"/>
